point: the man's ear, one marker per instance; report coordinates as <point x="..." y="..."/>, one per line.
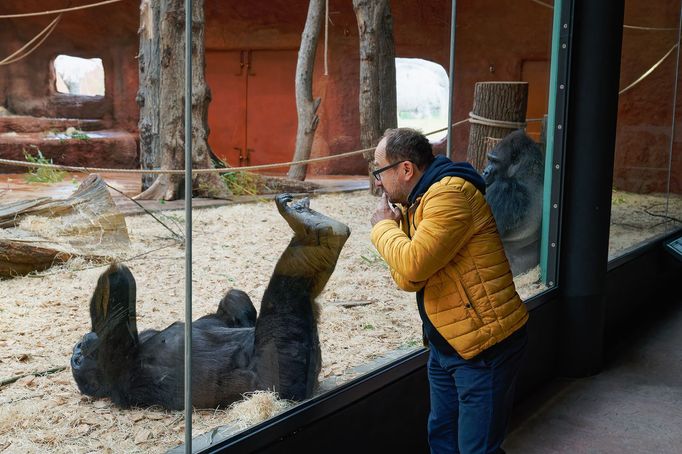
<point x="407" y="169"/>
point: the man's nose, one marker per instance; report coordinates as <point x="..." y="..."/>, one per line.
<point x="378" y="184"/>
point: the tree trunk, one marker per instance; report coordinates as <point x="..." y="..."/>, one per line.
<point x="171" y="105"/>
<point x="306" y="107"/>
<point x="377" y="73"/>
<point x="148" y="92"/>
<point x="504" y="102"/>
<point x="37" y="234"/>
<point x="388" y="98"/>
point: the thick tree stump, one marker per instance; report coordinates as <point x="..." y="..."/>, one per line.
<point x="499" y="108"/>
<point x="36" y="234"/>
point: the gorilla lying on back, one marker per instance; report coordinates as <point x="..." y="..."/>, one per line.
<point x="514" y="188"/>
<point x="233" y="351"/>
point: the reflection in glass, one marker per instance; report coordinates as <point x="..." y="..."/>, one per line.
<point x="363" y="319"/>
<point x="647" y="189"/>
<point x="278" y="351"/>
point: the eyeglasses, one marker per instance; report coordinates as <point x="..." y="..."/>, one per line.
<point x="377" y="172"/>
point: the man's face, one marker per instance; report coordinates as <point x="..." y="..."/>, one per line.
<point x="389" y="180"/>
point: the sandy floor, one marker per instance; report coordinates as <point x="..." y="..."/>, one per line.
<point x="42" y="316"/>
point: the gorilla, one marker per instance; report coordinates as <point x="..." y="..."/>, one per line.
<point x="233" y="351"/>
<point x="514" y="185"/>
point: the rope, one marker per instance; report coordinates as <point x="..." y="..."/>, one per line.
<point x="326" y="35"/>
<point x="212" y="170"/>
<point x="654" y="29"/>
<point x="632" y="27"/>
<point x="546" y="5"/>
<point x="649" y="71"/>
<point x="47" y="31"/>
<point x="176" y="172"/>
<point x="55" y="11"/>
<point x="477" y="119"/>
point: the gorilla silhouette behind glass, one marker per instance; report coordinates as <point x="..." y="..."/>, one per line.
<point x="233" y="351"/>
<point x="514" y="185"/>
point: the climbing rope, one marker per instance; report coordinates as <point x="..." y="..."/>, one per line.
<point x="44" y="33"/>
<point x="12" y="162"/>
<point x="649" y="71"/>
<point x="42" y="36"/>
<point x="326" y="36"/>
<point x="477" y="119"/>
<point x="57" y="11"/>
<point x="179" y="171"/>
<point x="632" y="27"/>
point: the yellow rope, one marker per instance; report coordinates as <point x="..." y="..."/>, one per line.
<point x="648" y="72"/>
<point x="653" y="29"/>
<point x="477" y="119"/>
<point x="47" y="31"/>
<point x="632" y="27"/>
<point x="326" y="36"/>
<point x="56" y="11"/>
<point x="546" y="5"/>
<point x="160" y="171"/>
<point x="211" y="170"/>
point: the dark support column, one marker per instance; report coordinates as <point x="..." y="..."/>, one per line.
<point x="597" y="28"/>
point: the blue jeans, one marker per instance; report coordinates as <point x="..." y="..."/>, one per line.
<point x="471" y="400"/>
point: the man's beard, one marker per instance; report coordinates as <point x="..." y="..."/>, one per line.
<point x="395" y="199"/>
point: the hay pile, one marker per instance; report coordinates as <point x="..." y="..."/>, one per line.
<point x="233" y="246"/>
<point x="42" y="316"/>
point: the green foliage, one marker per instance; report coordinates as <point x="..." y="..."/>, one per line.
<point x="79" y="135"/>
<point x="617" y="197"/>
<point x="41" y="174"/>
<point x="373" y="258"/>
<point x="241" y="183"/>
<point x="412" y="343"/>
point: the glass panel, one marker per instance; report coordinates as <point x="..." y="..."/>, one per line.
<point x="647" y="189"/>
<point x="362" y="319"/>
<point x="71" y="369"/>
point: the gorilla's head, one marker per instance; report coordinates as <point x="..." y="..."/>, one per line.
<point x="516" y="156"/>
<point x="84" y="367"/>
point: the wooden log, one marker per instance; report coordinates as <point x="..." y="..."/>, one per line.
<point x="499" y="108"/>
<point x="37" y="234"/>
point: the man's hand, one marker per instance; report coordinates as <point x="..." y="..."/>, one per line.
<point x="385" y="211"/>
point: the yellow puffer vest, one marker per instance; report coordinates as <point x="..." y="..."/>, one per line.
<point x="449" y="246"/>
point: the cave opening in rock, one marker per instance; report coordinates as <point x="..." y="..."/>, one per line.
<point x="79" y="76"/>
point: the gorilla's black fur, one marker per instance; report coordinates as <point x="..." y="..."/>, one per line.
<point x="514" y="188"/>
<point x="233" y="352"/>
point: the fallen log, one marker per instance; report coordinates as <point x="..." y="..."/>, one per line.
<point x="36" y="234"/>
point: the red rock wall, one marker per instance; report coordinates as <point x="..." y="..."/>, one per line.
<point x="493" y="40"/>
<point x="108" y="32"/>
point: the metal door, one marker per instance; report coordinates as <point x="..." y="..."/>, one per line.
<point x="226" y="77"/>
<point x="271" y="112"/>
<point x="252" y="115"/>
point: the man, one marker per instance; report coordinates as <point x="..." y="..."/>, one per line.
<point x="443" y="244"/>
